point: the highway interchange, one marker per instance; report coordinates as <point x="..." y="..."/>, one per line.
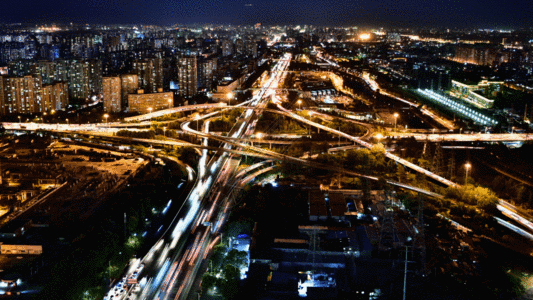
<point x="170" y="268"/>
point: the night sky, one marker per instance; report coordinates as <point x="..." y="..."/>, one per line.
<point x="390" y="13"/>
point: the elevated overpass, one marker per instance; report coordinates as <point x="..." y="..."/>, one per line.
<point x="160" y="113"/>
<point x="474" y="137"/>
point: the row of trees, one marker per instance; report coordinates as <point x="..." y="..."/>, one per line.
<point x="225" y="263"/>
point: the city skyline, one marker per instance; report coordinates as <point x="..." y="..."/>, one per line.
<point x="244" y="12"/>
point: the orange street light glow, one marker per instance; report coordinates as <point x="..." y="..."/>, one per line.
<point x="364" y="36"/>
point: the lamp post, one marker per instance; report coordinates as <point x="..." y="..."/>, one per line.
<point x="379" y="136"/>
<point x="169" y="103"/>
<point x="164" y="131"/>
<point x="395" y="120"/>
<point x="106" y="116"/>
<point x="149" y="110"/>
<point x="67" y="122"/>
<point x="467" y="167"/>
<point x="259" y="136"/>
<point x="299" y="104"/>
<point x="230" y="96"/>
<point x="19" y="120"/>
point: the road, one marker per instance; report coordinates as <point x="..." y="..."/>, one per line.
<point x="471" y="137"/>
<point x="171" y="266"/>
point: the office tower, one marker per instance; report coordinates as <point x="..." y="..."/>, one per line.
<point x="146" y="103"/>
<point x="54" y="96"/>
<point x="227" y="48"/>
<point x="150" y="73"/>
<point x="112" y="94"/>
<point x="129" y="85"/>
<point x="188" y="76"/>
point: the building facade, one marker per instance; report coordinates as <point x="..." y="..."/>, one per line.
<point x="481" y="95"/>
<point x="21" y="95"/>
<point x="112" y="94"/>
<point x="129" y="85"/>
<point x="188" y="76"/>
<point x="150" y="73"/>
<point x="54" y="96"/>
<point x="146" y="103"/>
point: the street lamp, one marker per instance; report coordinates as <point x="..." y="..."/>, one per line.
<point x="169" y="103"/>
<point x="164" y="131"/>
<point x="467" y="167"/>
<point x="395" y="120"/>
<point x="512" y="130"/>
<point x="106" y="116"/>
<point x="67" y="122"/>
<point x="230" y="96"/>
<point x="19" y="120"/>
<point x="149" y="110"/>
<point x="299" y="104"/>
<point x="379" y="136"/>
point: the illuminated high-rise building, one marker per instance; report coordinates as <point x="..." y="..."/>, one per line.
<point x="188" y="76"/>
<point x="129" y="85"/>
<point x="146" y="103"/>
<point x="206" y="72"/>
<point x="112" y="94"/>
<point x="20" y="67"/>
<point x="21" y="94"/>
<point x="150" y="73"/>
<point x="251" y="48"/>
<point x="78" y="79"/>
<point x="45" y="69"/>
<point x="54" y="96"/>
<point x="227" y="48"/>
<point x="239" y="46"/>
<point x="94" y="74"/>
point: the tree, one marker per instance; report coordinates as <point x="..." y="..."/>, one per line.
<point x="219" y="252"/>
<point x="188" y="155"/>
<point x="400" y="173"/>
<point x="208" y="281"/>
<point x="237" y="258"/>
<point x="230" y="283"/>
<point x="378" y="149"/>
